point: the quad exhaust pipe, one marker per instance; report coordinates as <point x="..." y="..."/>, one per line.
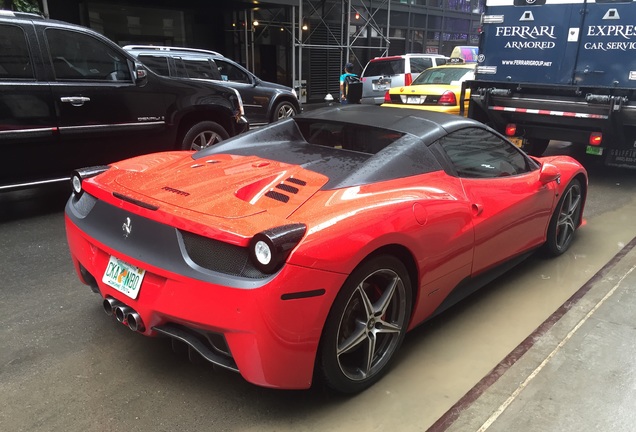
<point x="124" y="314"/>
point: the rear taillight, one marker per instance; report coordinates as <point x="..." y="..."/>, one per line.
<point x="387" y="97"/>
<point x="408" y="79"/>
<point x="511" y="129"/>
<point x="596" y="138"/>
<point x="448" y="98"/>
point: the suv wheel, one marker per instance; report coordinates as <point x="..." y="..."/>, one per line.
<point x="283" y="110"/>
<point x="203" y="135"/>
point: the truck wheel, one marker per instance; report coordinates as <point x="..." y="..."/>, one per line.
<point x="535" y="146"/>
<point x="202" y="135"/>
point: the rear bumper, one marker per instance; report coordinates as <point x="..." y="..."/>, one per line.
<point x="271" y="334"/>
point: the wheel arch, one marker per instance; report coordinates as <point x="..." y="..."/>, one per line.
<point x="407" y="258"/>
<point x="191" y="118"/>
<point x="282" y="97"/>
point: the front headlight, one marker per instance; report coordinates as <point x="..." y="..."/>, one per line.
<point x="81" y="174"/>
<point x="269" y="249"/>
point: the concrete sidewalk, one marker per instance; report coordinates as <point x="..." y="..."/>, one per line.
<point x="576" y="372"/>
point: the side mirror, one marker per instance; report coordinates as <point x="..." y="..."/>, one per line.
<point x="549" y="173"/>
<point x="141" y="74"/>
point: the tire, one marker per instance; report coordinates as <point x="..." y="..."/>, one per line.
<point x="565" y="220"/>
<point x="535" y="146"/>
<point x="202" y="135"/>
<point x="366" y="325"/>
<point x="283" y="110"/>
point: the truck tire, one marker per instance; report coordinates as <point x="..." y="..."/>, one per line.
<point x="202" y="135"/>
<point x="535" y="146"/>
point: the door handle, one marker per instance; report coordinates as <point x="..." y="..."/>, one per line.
<point x="477" y="209"/>
<point x="75" y="100"/>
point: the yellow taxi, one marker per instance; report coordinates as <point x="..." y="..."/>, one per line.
<point x="436" y="89"/>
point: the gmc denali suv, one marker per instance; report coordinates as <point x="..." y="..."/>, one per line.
<point x="70" y="97"/>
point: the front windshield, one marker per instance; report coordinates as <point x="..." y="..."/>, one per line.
<point x="444" y="75"/>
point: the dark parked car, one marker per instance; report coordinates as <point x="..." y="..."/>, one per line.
<point x="69" y="97"/>
<point x="265" y="102"/>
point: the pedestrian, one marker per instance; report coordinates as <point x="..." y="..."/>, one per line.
<point x="345" y="79"/>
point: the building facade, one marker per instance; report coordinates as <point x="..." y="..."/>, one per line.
<point x="285" y="41"/>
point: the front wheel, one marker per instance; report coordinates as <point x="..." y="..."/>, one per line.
<point x="202" y="135"/>
<point x="366" y="325"/>
<point x="283" y="110"/>
<point x="565" y="220"/>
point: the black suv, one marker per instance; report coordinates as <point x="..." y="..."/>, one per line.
<point x="69" y="97"/>
<point x="265" y="102"/>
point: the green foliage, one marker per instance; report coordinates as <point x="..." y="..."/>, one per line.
<point x="21" y="5"/>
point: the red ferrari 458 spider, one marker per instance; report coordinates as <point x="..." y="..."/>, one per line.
<point x="310" y="247"/>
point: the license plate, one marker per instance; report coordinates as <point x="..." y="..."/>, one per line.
<point x="518" y="142"/>
<point x="379" y="87"/>
<point x="124" y="277"/>
<point x="593" y="150"/>
<point x="413" y="100"/>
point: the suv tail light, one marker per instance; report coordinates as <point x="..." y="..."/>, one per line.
<point x="408" y="79"/>
<point x="387" y="97"/>
<point x="511" y="129"/>
<point x="448" y="98"/>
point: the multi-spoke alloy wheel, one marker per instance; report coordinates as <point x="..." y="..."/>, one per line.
<point x="565" y="220"/>
<point x="284" y="110"/>
<point x="202" y="135"/>
<point x="366" y="325"/>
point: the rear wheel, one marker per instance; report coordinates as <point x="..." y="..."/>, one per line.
<point x="283" y="110"/>
<point x="366" y="325"/>
<point x="565" y="220"/>
<point x="202" y="135"/>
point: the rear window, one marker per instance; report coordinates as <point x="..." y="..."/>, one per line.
<point x="345" y="136"/>
<point x="420" y="64"/>
<point x="201" y="68"/>
<point x="443" y="76"/>
<point x="384" y="67"/>
<point x="14" y="54"/>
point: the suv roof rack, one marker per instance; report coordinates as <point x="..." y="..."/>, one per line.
<point x="170" y="48"/>
<point x="10" y="13"/>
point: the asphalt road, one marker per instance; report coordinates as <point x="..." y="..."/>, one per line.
<point x="65" y="365"/>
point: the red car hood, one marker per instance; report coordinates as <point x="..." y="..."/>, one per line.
<point x="225" y="186"/>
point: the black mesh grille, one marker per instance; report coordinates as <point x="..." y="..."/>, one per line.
<point x="84" y="204"/>
<point x="277" y="196"/>
<point x="220" y="257"/>
<point x="296" y="181"/>
<point x="287" y="188"/>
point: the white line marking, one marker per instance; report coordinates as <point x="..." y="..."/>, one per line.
<point x="494" y="416"/>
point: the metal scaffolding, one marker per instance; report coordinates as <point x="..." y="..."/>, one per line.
<point x="318" y="11"/>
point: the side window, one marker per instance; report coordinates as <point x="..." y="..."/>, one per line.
<point x="420" y="64"/>
<point x="229" y="72"/>
<point x="200" y="68"/>
<point x="15" y="62"/>
<point x="77" y="56"/>
<point x="478" y="153"/>
<point x="157" y="64"/>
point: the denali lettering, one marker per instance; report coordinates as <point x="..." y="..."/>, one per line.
<point x="525" y="32"/>
<point x="625" y="31"/>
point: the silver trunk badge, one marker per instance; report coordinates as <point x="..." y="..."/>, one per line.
<point x="127" y="227"/>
